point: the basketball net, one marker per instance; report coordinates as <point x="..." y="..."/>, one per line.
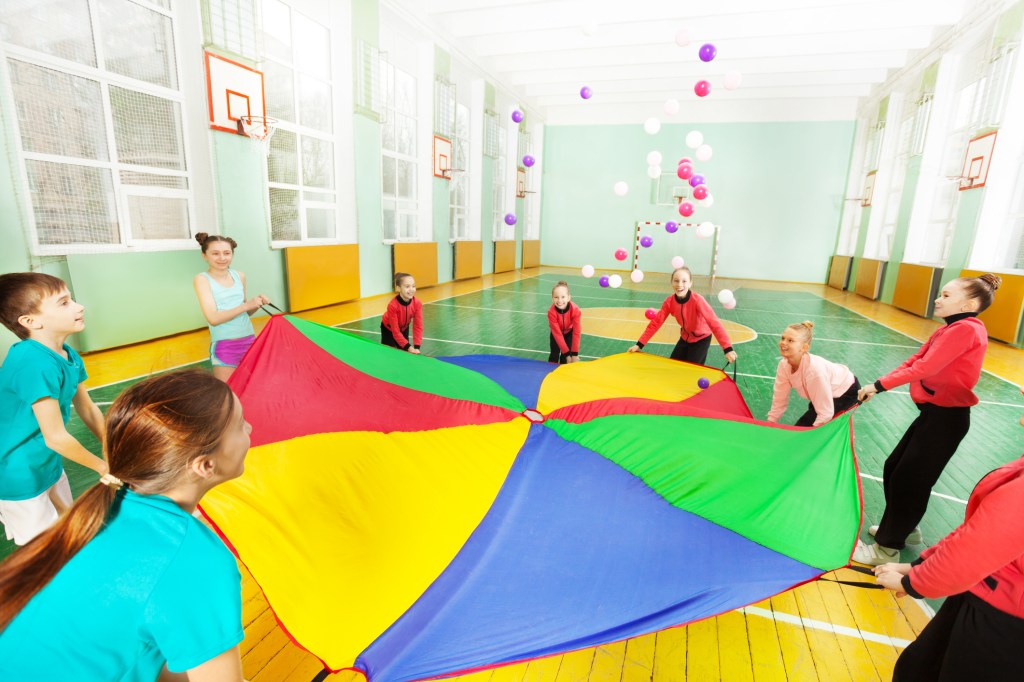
<point x="259" y="129"/>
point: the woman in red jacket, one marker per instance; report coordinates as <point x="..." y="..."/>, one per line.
<point x="941" y="376"/>
<point x="978" y="632"/>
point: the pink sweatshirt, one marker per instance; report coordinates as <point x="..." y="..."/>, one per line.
<point x="816" y="379"/>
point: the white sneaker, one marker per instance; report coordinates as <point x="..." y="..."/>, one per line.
<point x="874" y="555"/>
<point x="915" y="537"/>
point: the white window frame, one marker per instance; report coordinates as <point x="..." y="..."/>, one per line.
<point x="407" y="209"/>
<point x="458" y="212"/>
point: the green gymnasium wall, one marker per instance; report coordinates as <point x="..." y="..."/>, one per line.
<point x="778" y="190"/>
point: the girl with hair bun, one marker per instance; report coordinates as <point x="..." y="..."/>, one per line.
<point x="128" y="585"/>
<point x="941" y="376"/>
<point x="221" y="294"/>
<point x="830" y="387"/>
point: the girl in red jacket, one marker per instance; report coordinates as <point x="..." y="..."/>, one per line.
<point x="403" y="310"/>
<point x="977" y="633"/>
<point x="697" y="321"/>
<point x="941" y="376"/>
<point x="564" y="322"/>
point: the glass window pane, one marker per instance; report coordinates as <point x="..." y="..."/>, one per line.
<point x="317" y="162"/>
<point x="282" y="159"/>
<point x="138" y="42"/>
<point x="389" y="182"/>
<point x="72" y="204"/>
<point x="320" y="223"/>
<point x="407" y="225"/>
<point x="387" y="134"/>
<point x="158" y="217"/>
<point x="277" y="30"/>
<point x="389" y="221"/>
<point x="279" y="83"/>
<point x="406" y="179"/>
<point x="312" y="47"/>
<point x="315" y="104"/>
<point x="406" y="135"/>
<point x="62" y="29"/>
<point x="284" y="214"/>
<point x="405" y="93"/>
<point x="59" y="113"/>
<point x="147" y="129"/>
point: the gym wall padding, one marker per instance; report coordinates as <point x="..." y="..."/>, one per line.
<point x="504" y="256"/>
<point x="321" y="275"/>
<point x="869" y="278"/>
<point x="916" y="286"/>
<point x="419" y="259"/>
<point x="839" y="272"/>
<point x="531" y="253"/>
<point x="1003" y="317"/>
<point x="469" y="259"/>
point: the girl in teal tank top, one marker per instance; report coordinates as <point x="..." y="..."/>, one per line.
<point x="221" y="294"/>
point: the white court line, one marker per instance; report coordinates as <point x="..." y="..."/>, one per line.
<point x="827" y="627"/>
<point x="945" y="497"/>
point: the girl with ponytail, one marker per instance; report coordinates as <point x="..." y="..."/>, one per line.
<point x="128" y="585"/>
<point x="941" y="376"/>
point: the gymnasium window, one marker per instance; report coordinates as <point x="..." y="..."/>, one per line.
<point x="458" y="192"/>
<point x="494" y="147"/>
<point x="97" y="91"/>
<point x="886" y="199"/>
<point x="399" y="163"/>
<point x="299" y="86"/>
<point x="531" y="228"/>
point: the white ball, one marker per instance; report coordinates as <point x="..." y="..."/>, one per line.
<point x="620" y="188"/>
<point x="653" y="172"/>
<point x="653" y="158"/>
<point x="725" y="295"/>
<point x="677" y="262"/>
<point x="733" y="80"/>
<point x="637" y="276"/>
<point x="652" y="126"/>
<point x="682" y="37"/>
<point x="707" y="201"/>
<point x="705" y="230"/>
<point x="615" y="281"/>
<point x="704" y="152"/>
<point x="729" y="305"/>
<point x="694" y="139"/>
<point x="587" y="271"/>
<point x="671" y="106"/>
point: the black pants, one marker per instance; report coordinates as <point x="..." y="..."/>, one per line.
<point x="968" y="639"/>
<point x="388" y="339"/>
<point x="914" y="467"/>
<point x="692" y="351"/>
<point x="556" y="353"/>
<point x="840" y="404"/>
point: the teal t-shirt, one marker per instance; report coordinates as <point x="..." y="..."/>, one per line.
<point x="226" y="298"/>
<point x="31" y="372"/>
<point x="154" y="585"/>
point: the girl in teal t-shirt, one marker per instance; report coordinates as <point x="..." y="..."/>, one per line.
<point x="128" y="582"/>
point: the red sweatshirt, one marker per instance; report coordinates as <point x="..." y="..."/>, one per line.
<point x="565" y="321"/>
<point x="398" y="316"/>
<point x="695" y="317"/>
<point x="947" y="367"/>
<point x="986" y="553"/>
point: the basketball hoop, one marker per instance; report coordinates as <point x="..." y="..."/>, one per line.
<point x="259" y="129"/>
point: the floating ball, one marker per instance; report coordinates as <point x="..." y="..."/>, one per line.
<point x="685" y="159"/>
<point x="671" y="106"/>
<point x="603" y="281"/>
<point x="528" y="161"/>
<point x="685" y="209"/>
<point x="705" y="230"/>
<point x="615" y="281"/>
<point x="650" y="313"/>
<point x="725" y="295"/>
<point x="646" y="242"/>
<point x="671" y="227"/>
<point x="620" y="188"/>
<point x="620" y="254"/>
<point x="586" y="92"/>
<point x="696" y="179"/>
<point x="694" y="139"/>
<point x="587" y="271"/>
<point x="702" y="88"/>
<point x="653" y="158"/>
<point x="652" y="126"/>
<point x="703" y="382"/>
<point x="517" y="116"/>
<point x="510" y="218"/>
<point x="700" y="192"/>
<point x="732" y="80"/>
<point x="683" y="37"/>
<point x="729" y="305"/>
<point x="707" y="52"/>
<point x="654" y="172"/>
<point x="684" y="171"/>
<point x="677" y="262"/>
<point x="637" y="276"/>
<point x="704" y="152"/>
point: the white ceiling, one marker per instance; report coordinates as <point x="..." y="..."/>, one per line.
<point x="799" y="59"/>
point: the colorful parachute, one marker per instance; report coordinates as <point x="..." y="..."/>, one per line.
<point x="412" y="517"/>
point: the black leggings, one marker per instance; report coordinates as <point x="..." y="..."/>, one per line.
<point x="556" y="353"/>
<point x="968" y="639"/>
<point x="692" y="351"/>
<point x="840" y="404"/>
<point x="915" y="465"/>
<point x="388" y="339"/>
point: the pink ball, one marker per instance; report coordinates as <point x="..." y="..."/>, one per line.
<point x="702" y="88"/>
<point x="685" y="159"/>
<point x="620" y="254"/>
<point x="685" y="209"/>
<point x="700" y="192"/>
<point x="651" y="313"/>
<point x="685" y="171"/>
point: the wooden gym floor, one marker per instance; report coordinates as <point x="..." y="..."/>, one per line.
<point x="820" y="631"/>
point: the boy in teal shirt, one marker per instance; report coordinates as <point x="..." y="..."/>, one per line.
<point x="40" y="380"/>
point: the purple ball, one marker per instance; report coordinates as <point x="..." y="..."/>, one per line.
<point x="707" y="52"/>
<point x="510" y="218"/>
<point x="604" y="281"/>
<point x="517" y="116"/>
<point x="696" y="179"/>
<point x="646" y="242"/>
<point x="703" y="382"/>
<point x="528" y="161"/>
<point x="586" y="92"/>
<point x="671" y="227"/>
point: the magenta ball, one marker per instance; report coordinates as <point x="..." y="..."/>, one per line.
<point x="586" y="92"/>
<point x="700" y="192"/>
<point x="685" y="159"/>
<point x="702" y="88"/>
<point x="671" y="227"/>
<point x="510" y="218"/>
<point x="517" y="116"/>
<point x="646" y="242"/>
<point x="685" y="209"/>
<point x="650" y="313"/>
<point x="707" y="52"/>
<point x="620" y="254"/>
<point x="604" y="281"/>
<point x="696" y="179"/>
<point x="685" y="171"/>
<point x="528" y="161"/>
<point x="703" y="382"/>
